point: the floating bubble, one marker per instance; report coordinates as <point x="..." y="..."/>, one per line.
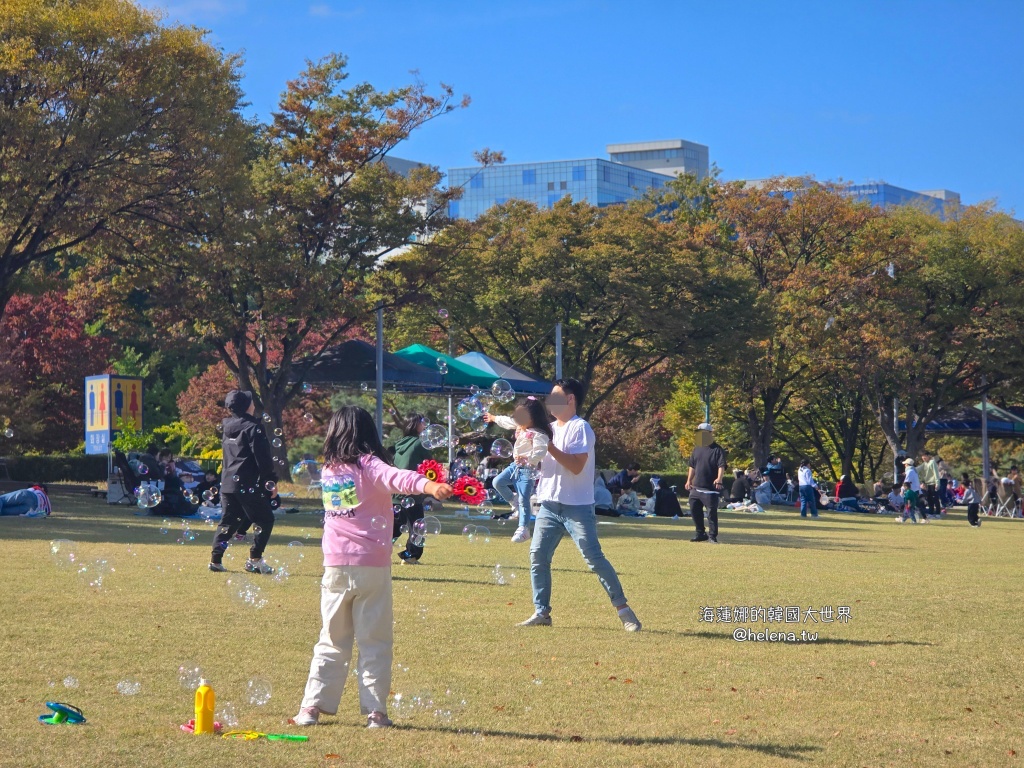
<point x="63" y="552"/>
<point x="258" y="691"/>
<point x="277" y="442"/>
<point x="434" y="436"/>
<point x="266" y="418"/>
<point x="8" y="433"/>
<point x="236" y="478"/>
<point x="485" y="399"/>
<point x="129" y="687"/>
<point x="431" y="526"/>
<point x="189" y="675"/>
<point x="270" y="485"/>
<point x="93" y="573"/>
<point x="442" y="366"/>
<point x="219" y="428"/>
<point x="297" y="548"/>
<point x="469" y="531"/>
<point x="503" y="577"/>
<point x="500" y="388"/>
<point x="396" y="509"/>
<point x="308" y="417"/>
<point x="408" y="502"/>
<point x="442" y="313"/>
<point x="245" y="593"/>
<point x="501" y="448"/>
<point x="379" y="523"/>
<point x="70" y="682"/>
<point x="209" y="494"/>
<point x="469" y="409"/>
<point x="417" y="540"/>
<point x="307" y="388"/>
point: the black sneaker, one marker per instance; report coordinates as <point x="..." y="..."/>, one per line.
<point x="712" y="539"/>
<point x="217" y="568"/>
<point x="700" y="537"/>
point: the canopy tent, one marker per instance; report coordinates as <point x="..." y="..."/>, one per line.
<point x="354" y="362"/>
<point x="966" y="422"/>
<point x="520" y="380"/>
<point x="459" y="374"/>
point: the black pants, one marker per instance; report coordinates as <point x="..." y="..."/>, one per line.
<point x="701" y="502"/>
<point x="932" y="496"/>
<point x="972" y="513"/>
<point x="408" y="517"/>
<point x="240" y="511"/>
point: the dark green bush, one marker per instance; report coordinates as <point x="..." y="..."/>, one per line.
<point x="52" y="469"/>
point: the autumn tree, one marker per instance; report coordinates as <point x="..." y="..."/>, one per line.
<point x="113" y="130"/>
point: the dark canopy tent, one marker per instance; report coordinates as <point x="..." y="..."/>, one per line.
<point x="966" y="422"/>
<point x="354" y="362"/>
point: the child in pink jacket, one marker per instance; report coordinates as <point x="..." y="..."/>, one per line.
<point x="358" y="480"/>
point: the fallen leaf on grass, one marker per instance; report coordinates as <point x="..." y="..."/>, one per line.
<point x="613" y="677"/>
<point x="968" y="709"/>
<point x="732" y="689"/>
<point x="627" y="680"/>
<point x="1011" y="752"/>
<point x="331" y="756"/>
<point x="499" y="708"/>
<point x="730" y="732"/>
<point x="872" y="663"/>
<point x="22" y="701"/>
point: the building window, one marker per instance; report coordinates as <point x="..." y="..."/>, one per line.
<point x="552" y="199"/>
<point x="453" y="209"/>
<point x="606" y="174"/>
<point x="530" y="176"/>
<point x="631" y="180"/>
<point x="562" y="185"/>
<point x="500" y="200"/>
<point x="579" y="173"/>
<point x="551" y="186"/>
<point x="477" y="182"/>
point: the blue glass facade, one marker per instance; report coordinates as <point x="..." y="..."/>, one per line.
<point x="599" y="182"/>
<point x="886" y="195"/>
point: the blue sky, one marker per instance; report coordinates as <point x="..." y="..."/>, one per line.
<point x="923" y="95"/>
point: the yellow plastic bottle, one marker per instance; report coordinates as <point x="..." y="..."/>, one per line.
<point x="204" y="708"/>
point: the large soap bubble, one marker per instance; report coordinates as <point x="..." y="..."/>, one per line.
<point x="434" y="436"/>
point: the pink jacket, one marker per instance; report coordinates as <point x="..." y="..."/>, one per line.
<point x="362" y="535"/>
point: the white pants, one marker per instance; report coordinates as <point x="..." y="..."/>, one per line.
<point x="355" y="602"/>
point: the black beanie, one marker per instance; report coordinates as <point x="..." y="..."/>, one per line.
<point x="238" y="401"/>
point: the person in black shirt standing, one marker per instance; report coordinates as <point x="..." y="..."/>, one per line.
<point x="704" y="482"/>
<point x="248" y="483"/>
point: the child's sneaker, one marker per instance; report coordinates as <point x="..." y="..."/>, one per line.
<point x="307" y="716"/>
<point x="522" y="534"/>
<point x="258" y="566"/>
<point x="537" y="620"/>
<point x="629" y="620"/>
<point x="378" y="720"/>
<point x="217" y="567"/>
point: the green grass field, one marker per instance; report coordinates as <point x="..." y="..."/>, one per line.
<point x="926" y="672"/>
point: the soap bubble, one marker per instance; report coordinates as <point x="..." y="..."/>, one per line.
<point x="307" y="388"/>
<point x="485" y="399"/>
<point x="278" y="432"/>
<point x="209" y="494"/>
<point x="142" y="469"/>
<point x="189" y="675"/>
<point x="226" y="715"/>
<point x="459" y="468"/>
<point x="408" y="502"/>
<point x="442" y="313"/>
<point x="469" y="409"/>
<point x="8" y="433"/>
<point x="427" y="526"/>
<point x="70" y="682"/>
<point x="417" y="540"/>
<point x="308" y="417"/>
<point x="270" y="485"/>
<point x="245" y="593"/>
<point x="501" y="448"/>
<point x="236" y="478"/>
<point x="266" y="418"/>
<point x="129" y="687"/>
<point x="396" y="509"/>
<point x="442" y="366"/>
<point x="434" y="436"/>
<point x="93" y="573"/>
<point x="500" y="388"/>
<point x="379" y="523"/>
<point x="277" y="442"/>
<point x="503" y="577"/>
<point x="477" y="534"/>
<point x="469" y="531"/>
<point x="298" y="545"/>
<point x="259" y="691"/>
<point x="63" y="552"/>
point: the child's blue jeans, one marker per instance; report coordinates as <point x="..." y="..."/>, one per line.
<point x="516" y="480"/>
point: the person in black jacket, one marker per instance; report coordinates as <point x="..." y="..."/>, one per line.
<point x="245" y="497"/>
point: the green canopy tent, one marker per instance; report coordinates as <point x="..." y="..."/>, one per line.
<point x="459" y="373"/>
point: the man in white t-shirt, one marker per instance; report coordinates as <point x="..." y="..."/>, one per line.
<point x="566" y="496"/>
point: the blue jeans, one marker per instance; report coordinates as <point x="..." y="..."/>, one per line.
<point x="18" y="502"/>
<point x="511" y="481"/>
<point x="553" y="521"/>
<point x="808" y="501"/>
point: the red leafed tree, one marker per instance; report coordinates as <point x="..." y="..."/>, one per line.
<point x="45" y="354"/>
<point x="629" y="425"/>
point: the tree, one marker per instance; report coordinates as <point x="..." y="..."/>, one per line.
<point x="627" y="291"/>
<point x="113" y="129"/>
<point x="45" y="355"/>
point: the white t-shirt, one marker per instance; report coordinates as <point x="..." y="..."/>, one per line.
<point x="559" y="484"/>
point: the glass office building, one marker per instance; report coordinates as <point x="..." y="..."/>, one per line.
<point x="885" y="195"/>
<point x="633" y="171"/>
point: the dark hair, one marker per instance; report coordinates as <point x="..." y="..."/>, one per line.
<point x="351" y="434"/>
<point x="571" y="387"/>
<point x="737" y="473"/>
<point x="634" y="467"/>
<point x="805" y="462"/>
<point x="412" y="422"/>
<point x="540" y="419"/>
<point x="165" y="452"/>
<point x="151" y="449"/>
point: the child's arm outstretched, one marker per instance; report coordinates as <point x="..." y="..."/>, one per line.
<point x="402" y="480"/>
<point x="505" y="422"/>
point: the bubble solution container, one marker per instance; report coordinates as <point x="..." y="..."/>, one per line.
<point x="204" y="708"/>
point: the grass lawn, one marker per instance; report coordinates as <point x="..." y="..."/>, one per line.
<point x="928" y="671"/>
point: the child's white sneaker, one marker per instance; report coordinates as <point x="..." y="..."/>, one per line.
<point x="378" y="720"/>
<point x="522" y="534"/>
<point x="307" y="716"/>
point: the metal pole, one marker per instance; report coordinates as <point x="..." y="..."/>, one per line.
<point x="985" y="464"/>
<point x="380" y="371"/>
<point x="558" y="350"/>
<point x="707" y="398"/>
<point x="896" y="430"/>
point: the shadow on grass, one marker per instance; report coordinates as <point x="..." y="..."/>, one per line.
<point x="793" y="752"/>
<point x="820" y="641"/>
